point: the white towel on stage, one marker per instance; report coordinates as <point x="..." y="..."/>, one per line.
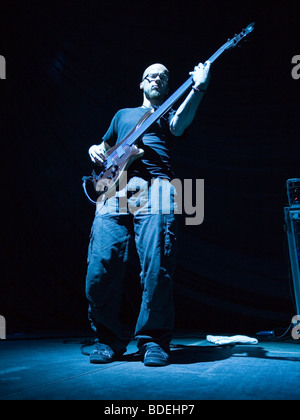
<point x="236" y="339"/>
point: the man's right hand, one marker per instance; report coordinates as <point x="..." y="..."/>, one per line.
<point x="97" y="153"/>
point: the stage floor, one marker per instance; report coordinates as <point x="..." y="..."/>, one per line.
<point x="43" y="368"/>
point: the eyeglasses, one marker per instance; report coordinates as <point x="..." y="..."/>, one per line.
<point x="152" y="76"/>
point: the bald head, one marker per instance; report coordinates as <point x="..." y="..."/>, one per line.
<point x="156" y="68"/>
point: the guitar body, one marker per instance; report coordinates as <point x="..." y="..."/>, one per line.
<point x="117" y="161"/>
<point x="108" y="180"/>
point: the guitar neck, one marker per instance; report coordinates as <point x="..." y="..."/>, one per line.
<point x="218" y="53"/>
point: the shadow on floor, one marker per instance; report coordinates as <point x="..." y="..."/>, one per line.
<point x="189" y="354"/>
<point x="182" y="354"/>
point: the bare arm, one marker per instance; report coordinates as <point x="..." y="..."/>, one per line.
<point x="185" y="114"/>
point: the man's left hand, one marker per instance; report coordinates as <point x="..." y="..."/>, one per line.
<point x="201" y="75"/>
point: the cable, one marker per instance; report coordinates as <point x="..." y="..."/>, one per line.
<point x="85" y="179"/>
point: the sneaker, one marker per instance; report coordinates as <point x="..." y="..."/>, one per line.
<point x="155" y="356"/>
<point x="103" y="354"/>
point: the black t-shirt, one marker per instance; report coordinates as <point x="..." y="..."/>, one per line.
<point x="156" y="143"/>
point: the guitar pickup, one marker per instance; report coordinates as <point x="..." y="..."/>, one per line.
<point x="120" y="151"/>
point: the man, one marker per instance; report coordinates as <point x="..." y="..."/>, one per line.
<point x="148" y="217"/>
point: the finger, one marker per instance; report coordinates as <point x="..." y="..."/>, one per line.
<point x="100" y="159"/>
<point x="207" y="64"/>
<point x="102" y="156"/>
<point x="97" y="156"/>
<point x="94" y="157"/>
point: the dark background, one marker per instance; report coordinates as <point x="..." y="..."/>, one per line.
<point x="70" y="66"/>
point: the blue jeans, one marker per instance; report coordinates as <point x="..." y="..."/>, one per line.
<point x="154" y="234"/>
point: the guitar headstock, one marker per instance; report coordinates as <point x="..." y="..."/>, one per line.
<point x="238" y="37"/>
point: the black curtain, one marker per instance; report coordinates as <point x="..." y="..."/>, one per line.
<point x="70" y="65"/>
